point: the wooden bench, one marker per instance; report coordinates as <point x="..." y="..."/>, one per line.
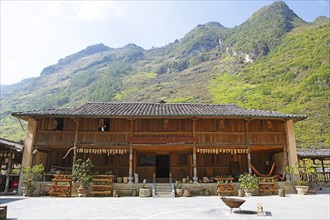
<point x="267" y="184"/>
<point x="61" y="186"/>
<point x="225" y="185"/>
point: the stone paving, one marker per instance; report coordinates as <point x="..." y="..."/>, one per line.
<point x="291" y="206"/>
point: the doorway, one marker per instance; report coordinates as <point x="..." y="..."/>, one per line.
<point x="162" y="167"/>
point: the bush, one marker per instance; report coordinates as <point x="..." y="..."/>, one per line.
<point x="248" y="181"/>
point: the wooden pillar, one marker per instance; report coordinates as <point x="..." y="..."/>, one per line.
<point x="29" y="142"/>
<point x="130" y="165"/>
<point x="8" y="170"/>
<point x="247" y="142"/>
<point x="28" y="148"/>
<point x="130" y="168"/>
<point x="75" y="143"/>
<point x="249" y="161"/>
<point x="195" y="178"/>
<point x="322" y="165"/>
<point x="291" y="143"/>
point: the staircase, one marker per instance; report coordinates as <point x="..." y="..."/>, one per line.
<point x="164" y="190"/>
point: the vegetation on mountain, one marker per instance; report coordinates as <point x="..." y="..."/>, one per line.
<point x="294" y="78"/>
<point x="273" y="61"/>
<point x="263" y="31"/>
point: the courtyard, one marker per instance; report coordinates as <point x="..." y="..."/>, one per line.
<point x="292" y="206"/>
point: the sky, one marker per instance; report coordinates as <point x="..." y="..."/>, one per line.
<point x="36" y="34"/>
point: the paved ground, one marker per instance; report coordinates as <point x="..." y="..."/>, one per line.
<point x="291" y="206"/>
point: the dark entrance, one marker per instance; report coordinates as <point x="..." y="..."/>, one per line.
<point x="162" y="166"/>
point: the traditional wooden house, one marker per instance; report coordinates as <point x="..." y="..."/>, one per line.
<point x="10" y="158"/>
<point x="161" y="141"/>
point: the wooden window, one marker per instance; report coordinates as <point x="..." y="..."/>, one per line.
<point x="147" y="160"/>
<point x="104" y="124"/>
<point x="59" y="124"/>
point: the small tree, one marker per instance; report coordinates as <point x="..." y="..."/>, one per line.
<point x="248" y="181"/>
<point x="306" y="172"/>
<point x="82" y="172"/>
<point x="289" y="170"/>
<point x="30" y="175"/>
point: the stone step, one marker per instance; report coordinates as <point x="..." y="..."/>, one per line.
<point x="165" y="194"/>
<point x="163" y="186"/>
<point x="164" y="190"/>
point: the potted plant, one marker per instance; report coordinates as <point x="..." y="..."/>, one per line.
<point x="249" y="183"/>
<point x="82" y="174"/>
<point x="30" y="175"/>
<point x="144" y="191"/>
<point x="289" y="170"/>
<point x="305" y="176"/>
<point x="179" y="190"/>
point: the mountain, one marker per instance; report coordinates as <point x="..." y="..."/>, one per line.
<point x="273" y="61"/>
<point x="263" y="31"/>
<point x="62" y="63"/>
<point x="9" y="89"/>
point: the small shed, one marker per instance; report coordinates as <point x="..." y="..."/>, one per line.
<point x="323" y="155"/>
<point x="10" y="157"/>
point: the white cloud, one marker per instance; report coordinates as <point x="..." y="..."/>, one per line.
<point x="88" y="10"/>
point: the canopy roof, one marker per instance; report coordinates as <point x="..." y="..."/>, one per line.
<point x="314" y="153"/>
<point x="11" y="145"/>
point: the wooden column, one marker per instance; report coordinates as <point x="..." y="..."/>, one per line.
<point x="291" y="143"/>
<point x="247" y="142"/>
<point x="8" y="170"/>
<point x="322" y="165"/>
<point x="28" y="148"/>
<point x="130" y="169"/>
<point x="195" y="178"/>
<point x="75" y="143"/>
<point x="28" y="143"/>
<point x="249" y="161"/>
<point x="130" y="166"/>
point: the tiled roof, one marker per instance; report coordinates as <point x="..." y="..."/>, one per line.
<point x="11" y="144"/>
<point x="124" y="109"/>
<point x="325" y="153"/>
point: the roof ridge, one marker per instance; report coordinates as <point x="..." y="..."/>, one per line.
<point x="173" y="103"/>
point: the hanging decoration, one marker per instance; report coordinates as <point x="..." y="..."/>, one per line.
<point x="108" y="151"/>
<point x="231" y="151"/>
<point x="4" y="154"/>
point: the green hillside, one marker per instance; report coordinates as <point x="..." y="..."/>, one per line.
<point x="294" y="78"/>
<point x="272" y="61"/>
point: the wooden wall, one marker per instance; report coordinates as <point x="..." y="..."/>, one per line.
<point x="207" y="131"/>
<point x="58" y="134"/>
